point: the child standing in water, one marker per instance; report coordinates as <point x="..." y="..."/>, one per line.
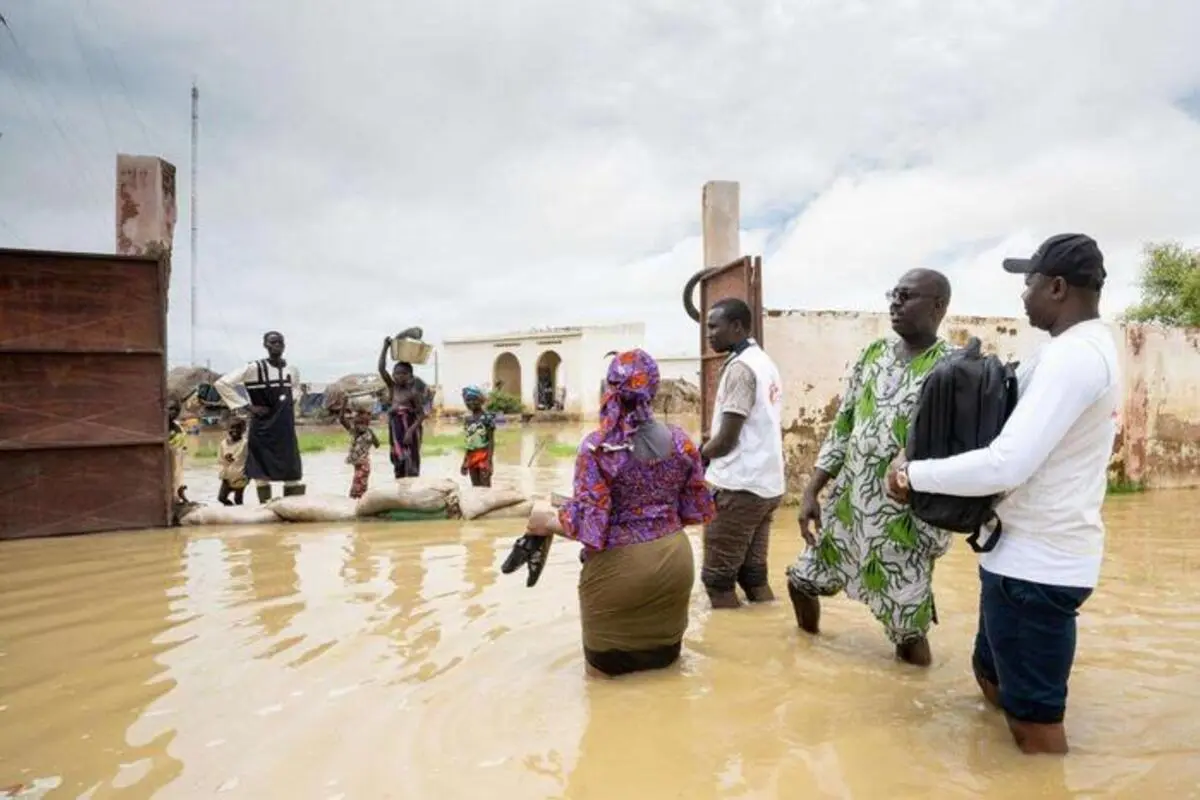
<point x="177" y="440"/>
<point x="362" y="440"/>
<point x="480" y="428"/>
<point x="406" y="419"/>
<point x="232" y="457"/>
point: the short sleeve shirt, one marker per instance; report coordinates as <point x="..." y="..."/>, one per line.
<point x="740" y="390"/>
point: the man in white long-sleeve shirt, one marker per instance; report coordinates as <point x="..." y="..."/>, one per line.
<point x="1052" y="461"/>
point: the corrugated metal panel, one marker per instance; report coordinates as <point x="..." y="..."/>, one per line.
<point x="82" y="394"/>
<point x="743" y="280"/>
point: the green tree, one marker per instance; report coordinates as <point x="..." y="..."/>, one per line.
<point x="1170" y="284"/>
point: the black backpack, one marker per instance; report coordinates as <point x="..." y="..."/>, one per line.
<point x="964" y="403"/>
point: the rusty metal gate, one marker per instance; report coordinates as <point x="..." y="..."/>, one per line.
<point x="741" y="279"/>
<point x="83" y="440"/>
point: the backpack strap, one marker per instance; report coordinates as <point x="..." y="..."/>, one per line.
<point x="990" y="544"/>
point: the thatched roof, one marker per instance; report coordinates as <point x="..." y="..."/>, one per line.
<point x="182" y="381"/>
<point x="358" y="383"/>
<point x="677" y="396"/>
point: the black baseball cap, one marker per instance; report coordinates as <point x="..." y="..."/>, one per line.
<point x="1071" y="256"/>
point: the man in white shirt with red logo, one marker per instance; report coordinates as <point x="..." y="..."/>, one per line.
<point x="1051" y="460"/>
<point x="745" y="460"/>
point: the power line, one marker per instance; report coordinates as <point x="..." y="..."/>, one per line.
<point x="149" y="140"/>
<point x="92" y="79"/>
<point x="37" y="79"/>
<point x="18" y="237"/>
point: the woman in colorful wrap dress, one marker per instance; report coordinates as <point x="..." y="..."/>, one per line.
<point x="406" y="417"/>
<point x="638" y="483"/>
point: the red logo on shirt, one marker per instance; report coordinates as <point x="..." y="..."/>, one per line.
<point x="774" y="393"/>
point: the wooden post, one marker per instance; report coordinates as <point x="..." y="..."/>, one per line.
<point x="721" y="221"/>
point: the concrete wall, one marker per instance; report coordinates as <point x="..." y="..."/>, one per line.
<point x="1159" y="442"/>
<point x="597" y="341"/>
<point x="580" y="371"/>
<point x="686" y="368"/>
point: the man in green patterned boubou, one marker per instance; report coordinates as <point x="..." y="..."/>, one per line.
<point x="863" y="543"/>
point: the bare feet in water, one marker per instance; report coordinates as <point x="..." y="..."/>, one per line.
<point x="727" y="599"/>
<point x="807" y="609"/>
<point x="916" y="652"/>
<point x="760" y="594"/>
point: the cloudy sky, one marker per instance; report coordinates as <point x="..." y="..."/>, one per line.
<point x="475" y="166"/>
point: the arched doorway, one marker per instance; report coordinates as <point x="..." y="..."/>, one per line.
<point x="506" y="375"/>
<point x="549" y="390"/>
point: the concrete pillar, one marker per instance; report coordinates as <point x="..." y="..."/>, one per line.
<point x="146" y="207"/>
<point x="720" y="215"/>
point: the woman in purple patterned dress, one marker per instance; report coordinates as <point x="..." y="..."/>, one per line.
<point x="638" y="482"/>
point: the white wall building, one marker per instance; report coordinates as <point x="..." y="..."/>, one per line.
<point x="571" y="358"/>
<point x="679" y="368"/>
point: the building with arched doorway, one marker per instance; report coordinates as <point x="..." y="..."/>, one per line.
<point x="552" y="368"/>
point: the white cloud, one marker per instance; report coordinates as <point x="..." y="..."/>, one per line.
<point x="498" y="166"/>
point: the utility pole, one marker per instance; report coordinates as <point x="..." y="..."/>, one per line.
<point x="195" y="151"/>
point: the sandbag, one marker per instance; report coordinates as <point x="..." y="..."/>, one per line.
<point x="230" y="515"/>
<point x="521" y="510"/>
<point x="315" y="508"/>
<point x="401" y="515"/>
<point x="410" y="494"/>
<point x="475" y="501"/>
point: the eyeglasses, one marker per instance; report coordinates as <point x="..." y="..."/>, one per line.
<point x="902" y="296"/>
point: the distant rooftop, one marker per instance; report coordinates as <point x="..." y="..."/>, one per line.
<point x="549" y="332"/>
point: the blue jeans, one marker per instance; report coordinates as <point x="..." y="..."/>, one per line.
<point x="1026" y="644"/>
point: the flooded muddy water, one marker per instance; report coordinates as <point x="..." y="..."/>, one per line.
<point x="377" y="660"/>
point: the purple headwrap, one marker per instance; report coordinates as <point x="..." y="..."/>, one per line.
<point x="632" y="384"/>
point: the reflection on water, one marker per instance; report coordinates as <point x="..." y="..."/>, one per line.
<point x="392" y="660"/>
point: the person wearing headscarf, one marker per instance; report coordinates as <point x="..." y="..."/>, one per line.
<point x="638" y="483"/>
<point x="480" y="430"/>
<point x="410" y="405"/>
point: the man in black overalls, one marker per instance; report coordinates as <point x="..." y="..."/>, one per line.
<point x="272" y="450"/>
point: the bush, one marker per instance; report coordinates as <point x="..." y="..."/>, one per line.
<point x="504" y="403"/>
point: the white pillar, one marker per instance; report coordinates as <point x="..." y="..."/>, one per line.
<point x="146" y="207"/>
<point x="720" y="215"/>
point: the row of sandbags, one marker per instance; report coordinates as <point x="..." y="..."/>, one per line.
<point x="405" y="499"/>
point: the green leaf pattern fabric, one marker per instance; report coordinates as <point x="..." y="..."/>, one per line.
<point x="869" y="546"/>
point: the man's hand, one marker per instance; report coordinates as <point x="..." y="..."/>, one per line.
<point x="810" y="518"/>
<point x="897" y="478"/>
<point x="258" y="411"/>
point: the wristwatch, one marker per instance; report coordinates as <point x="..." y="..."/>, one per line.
<point x="902" y="476"/>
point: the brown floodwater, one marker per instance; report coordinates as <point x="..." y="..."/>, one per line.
<point x="374" y="660"/>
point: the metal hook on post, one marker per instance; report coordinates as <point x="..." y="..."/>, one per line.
<point x="689" y="288"/>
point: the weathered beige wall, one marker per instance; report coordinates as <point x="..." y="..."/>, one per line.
<point x="1159" y="443"/>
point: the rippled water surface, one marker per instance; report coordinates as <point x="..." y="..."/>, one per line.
<point x="393" y="660"/>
